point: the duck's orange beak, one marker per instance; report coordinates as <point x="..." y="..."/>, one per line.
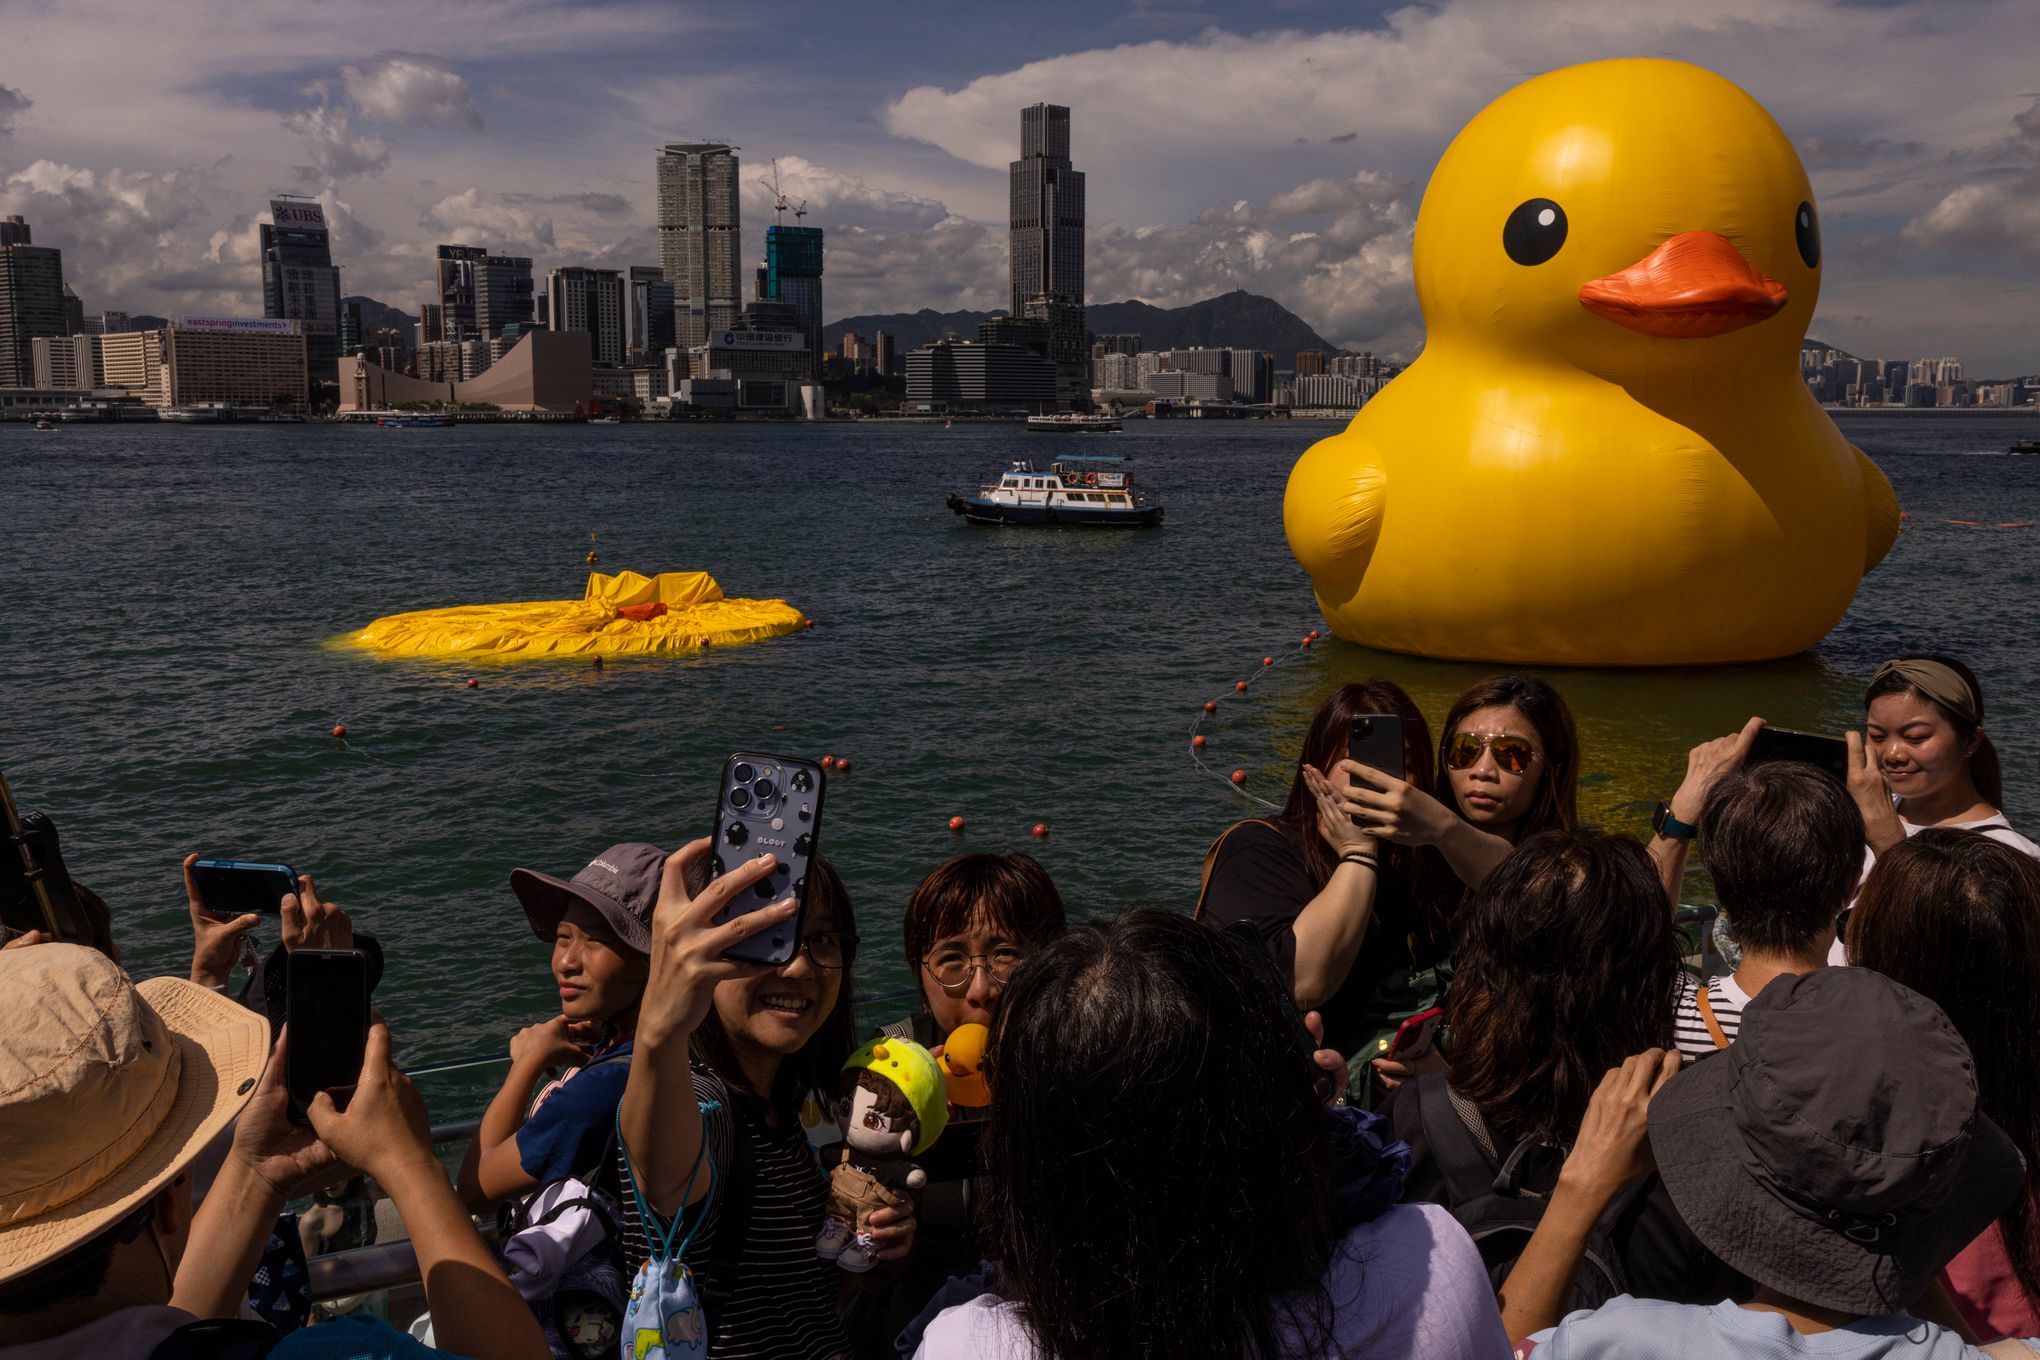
<point x="1695" y="285"/>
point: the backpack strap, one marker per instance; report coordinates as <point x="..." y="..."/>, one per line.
<point x="1211" y="860"/>
<point x="1705" y="1006"/>
<point x="1460" y="1144"/>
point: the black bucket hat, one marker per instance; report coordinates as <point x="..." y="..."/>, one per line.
<point x="1834" y="1151"/>
<point x="621" y="883"/>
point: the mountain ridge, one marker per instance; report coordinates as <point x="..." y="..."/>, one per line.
<point x="1238" y="319"/>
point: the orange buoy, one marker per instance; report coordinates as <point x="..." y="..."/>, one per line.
<point x="843" y="764"/>
<point x="956" y="823"/>
<point x="1314" y="633"/>
<point x="1198" y="741"/>
<point x="1240" y="685"/>
<point x="828" y="762"/>
<point x="1267" y="661"/>
<point x="1040" y="830"/>
<point x="339" y="729"/>
<point x="807" y="623"/>
<point x="1211" y="705"/>
<point x="1307" y="641"/>
<point x="473" y="683"/>
<point x="1239" y="776"/>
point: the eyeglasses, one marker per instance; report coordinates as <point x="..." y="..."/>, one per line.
<point x="1514" y="754"/>
<point x="830" y="949"/>
<point x="952" y="970"/>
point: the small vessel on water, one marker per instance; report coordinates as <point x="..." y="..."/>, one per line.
<point x="611" y="419"/>
<point x="1091" y="493"/>
<point x="1071" y="422"/>
<point x="2024" y="446"/>
<point x="43" y="423"/>
<point x="205" y="413"/>
<point x="428" y="421"/>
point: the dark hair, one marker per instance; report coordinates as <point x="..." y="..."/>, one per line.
<point x="1567" y="964"/>
<point x="1556" y="806"/>
<point x="80" y="1272"/>
<point x="818" y="1066"/>
<point x="1157" y="1163"/>
<point x="1326" y="744"/>
<point x="1986" y="771"/>
<point x="1013" y="893"/>
<point x="1955" y="916"/>
<point x="1784" y="844"/>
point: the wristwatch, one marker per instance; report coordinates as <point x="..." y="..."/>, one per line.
<point x="1665" y="824"/>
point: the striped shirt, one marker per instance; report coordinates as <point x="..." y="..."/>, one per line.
<point x="1690" y="1030"/>
<point x="783" y="1299"/>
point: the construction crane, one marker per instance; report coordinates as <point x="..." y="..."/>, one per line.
<point x="779" y="204"/>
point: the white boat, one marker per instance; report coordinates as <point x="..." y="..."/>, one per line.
<point x="42" y="423"/>
<point x="194" y="415"/>
<point x="1087" y="493"/>
<point x="1071" y="422"/>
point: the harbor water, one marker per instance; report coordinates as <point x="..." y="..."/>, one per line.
<point x="169" y="676"/>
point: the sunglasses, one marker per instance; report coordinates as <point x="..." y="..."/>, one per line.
<point x="1513" y="754"/>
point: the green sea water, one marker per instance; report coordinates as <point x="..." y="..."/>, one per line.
<point x="169" y="682"/>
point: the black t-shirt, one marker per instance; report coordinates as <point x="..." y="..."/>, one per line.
<point x="1259" y="878"/>
<point x="1661" y="1259"/>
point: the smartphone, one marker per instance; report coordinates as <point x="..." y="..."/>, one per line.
<point x="1375" y="740"/>
<point x="234" y="887"/>
<point x="766" y="803"/>
<point x="1823" y="753"/>
<point x="1417" y="1035"/>
<point x="326" y="1011"/>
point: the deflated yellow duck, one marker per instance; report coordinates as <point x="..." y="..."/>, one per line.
<point x="1606" y="454"/>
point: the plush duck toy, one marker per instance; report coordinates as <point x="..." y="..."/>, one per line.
<point x="962" y="1056"/>
<point x="1606" y="454"/>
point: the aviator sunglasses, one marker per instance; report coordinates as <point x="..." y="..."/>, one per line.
<point x="1513" y="754"/>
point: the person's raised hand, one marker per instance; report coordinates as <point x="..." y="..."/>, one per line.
<point x="1330" y="1063"/>
<point x="1335" y="815"/>
<point x="309" y="923"/>
<point x="1706" y="763"/>
<point x="1390" y="1073"/>
<point x="290" y="1159"/>
<point x="23" y="940"/>
<point x="1872" y="795"/>
<point x="1613" y="1146"/>
<point x="549" y="1043"/>
<point x="688" y="946"/>
<point x="384" y="1130"/>
<point x="215" y="939"/>
<point x="1395" y="809"/>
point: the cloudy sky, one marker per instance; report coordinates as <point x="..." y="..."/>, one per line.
<point x="1280" y="147"/>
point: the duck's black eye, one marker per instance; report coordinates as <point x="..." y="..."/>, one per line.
<point x="1806" y="230"/>
<point x="1534" y="232"/>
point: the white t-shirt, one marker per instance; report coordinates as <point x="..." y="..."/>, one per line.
<point x="1408" y="1285"/>
<point x="1994" y="826"/>
<point x="1647" y="1329"/>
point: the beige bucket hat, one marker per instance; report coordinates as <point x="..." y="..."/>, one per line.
<point x="107" y="1091"/>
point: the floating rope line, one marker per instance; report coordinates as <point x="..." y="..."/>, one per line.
<point x="1972" y="523"/>
<point x="1237" y="780"/>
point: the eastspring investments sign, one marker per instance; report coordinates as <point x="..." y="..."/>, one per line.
<point x="238" y="325"/>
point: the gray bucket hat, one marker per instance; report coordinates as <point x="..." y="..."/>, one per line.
<point x="621" y="883"/>
<point x="1834" y="1151"/>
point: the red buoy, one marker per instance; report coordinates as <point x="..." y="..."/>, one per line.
<point x="1239" y="776"/>
<point x="1240" y="685"/>
<point x="956" y="823"/>
<point x="828" y="761"/>
<point x="339" y="729"/>
<point x="843" y="764"/>
<point x="1198" y="741"/>
<point x="1267" y="661"/>
<point x="1211" y="705"/>
<point x="1040" y="830"/>
<point x="1314" y="633"/>
<point x="472" y="683"/>
<point x="1307" y="641"/>
<point x="807" y="623"/>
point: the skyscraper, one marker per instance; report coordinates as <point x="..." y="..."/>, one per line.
<point x="1047" y="215"/>
<point x="793" y="273"/>
<point x="648" y="313"/>
<point x="589" y="300"/>
<point x="300" y="281"/>
<point x="457" y="290"/>
<point x="503" y="292"/>
<point x="699" y="246"/>
<point x="31" y="300"/>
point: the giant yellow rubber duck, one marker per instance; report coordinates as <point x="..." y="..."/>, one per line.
<point x="1606" y="454"/>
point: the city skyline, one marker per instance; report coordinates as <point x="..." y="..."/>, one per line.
<point x="1281" y="151"/>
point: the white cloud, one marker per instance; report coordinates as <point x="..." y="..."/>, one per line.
<point x="1999" y="214"/>
<point x="13" y="103"/>
<point x="412" y="89"/>
<point x="337" y="153"/>
<point x="475" y="218"/>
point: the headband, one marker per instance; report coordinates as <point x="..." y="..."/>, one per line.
<point x="1935" y="681"/>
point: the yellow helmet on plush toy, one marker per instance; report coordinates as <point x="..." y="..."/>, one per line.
<point x="914" y="1070"/>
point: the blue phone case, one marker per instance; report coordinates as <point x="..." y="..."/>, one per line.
<point x="768" y="802"/>
<point x="268" y="875"/>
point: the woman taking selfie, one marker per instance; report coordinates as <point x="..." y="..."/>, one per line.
<point x="727" y="1055"/>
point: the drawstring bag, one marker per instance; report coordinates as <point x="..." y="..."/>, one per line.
<point x="663" y="1319"/>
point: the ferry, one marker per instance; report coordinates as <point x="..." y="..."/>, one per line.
<point x="1076" y="492"/>
<point x="1070" y="422"/>
<point x="204" y="413"/>
<point x="416" y="422"/>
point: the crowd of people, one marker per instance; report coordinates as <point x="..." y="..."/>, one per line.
<point x="1429" y="1069"/>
